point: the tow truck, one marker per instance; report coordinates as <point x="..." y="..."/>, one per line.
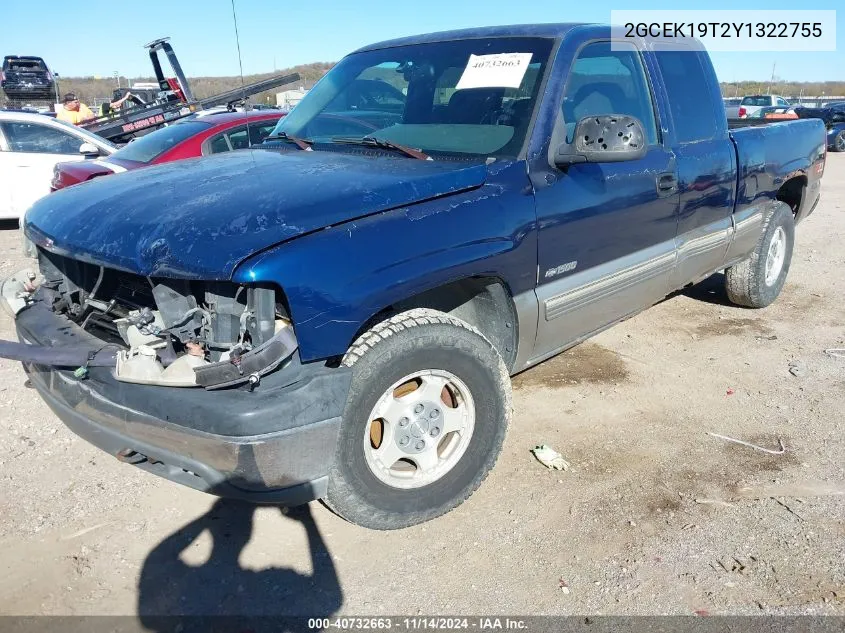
<point x="174" y="100"/>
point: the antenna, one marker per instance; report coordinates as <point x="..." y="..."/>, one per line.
<point x="771" y="81"/>
<point x="241" y="67"/>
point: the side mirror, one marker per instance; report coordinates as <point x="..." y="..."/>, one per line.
<point x="89" y="150"/>
<point x="610" y="138"/>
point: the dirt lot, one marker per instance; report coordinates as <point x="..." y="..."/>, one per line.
<point x="654" y="517"/>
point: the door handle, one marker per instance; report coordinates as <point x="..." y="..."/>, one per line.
<point x="667" y="184"/>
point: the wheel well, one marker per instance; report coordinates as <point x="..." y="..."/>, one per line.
<point x="483" y="302"/>
<point x="792" y="192"/>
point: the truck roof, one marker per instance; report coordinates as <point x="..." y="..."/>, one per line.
<point x="23" y="58"/>
<point x="587" y="29"/>
<point x="514" y="30"/>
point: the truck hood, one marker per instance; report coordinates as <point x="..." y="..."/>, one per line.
<point x="200" y="218"/>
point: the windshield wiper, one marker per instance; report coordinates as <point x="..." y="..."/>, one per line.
<point x="301" y="143"/>
<point x="372" y="141"/>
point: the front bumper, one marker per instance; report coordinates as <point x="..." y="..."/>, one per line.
<point x="275" y="444"/>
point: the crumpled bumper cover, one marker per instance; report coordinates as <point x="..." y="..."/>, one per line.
<point x="275" y="444"/>
<point x="14" y="291"/>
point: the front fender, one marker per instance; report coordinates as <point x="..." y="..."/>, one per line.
<point x="832" y="132"/>
<point x="336" y="279"/>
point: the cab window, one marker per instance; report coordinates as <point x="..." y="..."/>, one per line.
<point x="604" y="81"/>
<point x="32" y="138"/>
<point x="237" y="138"/>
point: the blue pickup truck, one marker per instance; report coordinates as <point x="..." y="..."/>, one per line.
<point x="336" y="314"/>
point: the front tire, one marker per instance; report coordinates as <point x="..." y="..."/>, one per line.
<point x="425" y="419"/>
<point x="839" y="142"/>
<point x="758" y="280"/>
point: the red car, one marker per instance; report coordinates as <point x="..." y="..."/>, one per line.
<point x="189" y="138"/>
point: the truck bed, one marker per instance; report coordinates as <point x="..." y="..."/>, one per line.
<point x="761" y="169"/>
<point x="737" y="123"/>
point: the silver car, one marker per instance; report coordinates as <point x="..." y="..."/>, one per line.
<point x="751" y="103"/>
<point x="731" y="106"/>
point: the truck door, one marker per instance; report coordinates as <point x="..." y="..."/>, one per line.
<point x="705" y="158"/>
<point x="606" y="231"/>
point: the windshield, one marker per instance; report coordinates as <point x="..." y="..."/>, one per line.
<point x="472" y="96"/>
<point x="154" y="144"/>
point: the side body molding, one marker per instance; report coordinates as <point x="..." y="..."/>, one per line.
<point x="748" y="225"/>
<point x="564" y="312"/>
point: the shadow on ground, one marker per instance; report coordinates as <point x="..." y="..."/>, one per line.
<point x="711" y="290"/>
<point x="221" y="587"/>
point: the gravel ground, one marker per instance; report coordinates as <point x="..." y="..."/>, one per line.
<point x="655" y="516"/>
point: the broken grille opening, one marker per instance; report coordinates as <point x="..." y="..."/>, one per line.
<point x="172" y="330"/>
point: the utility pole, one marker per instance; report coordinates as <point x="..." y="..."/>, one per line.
<point x="772" y="80"/>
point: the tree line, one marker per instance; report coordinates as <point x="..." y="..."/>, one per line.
<point x="89" y="89"/>
<point x="784" y="88"/>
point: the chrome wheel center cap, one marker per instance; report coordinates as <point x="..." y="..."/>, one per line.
<point x="419" y="428"/>
<point x="420" y="423"/>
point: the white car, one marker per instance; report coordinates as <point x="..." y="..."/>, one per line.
<point x="751" y="103"/>
<point x="30" y="146"/>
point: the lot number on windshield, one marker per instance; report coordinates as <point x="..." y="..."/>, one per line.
<point x="501" y="70"/>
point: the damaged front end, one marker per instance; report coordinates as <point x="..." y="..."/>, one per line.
<point x="156" y="331"/>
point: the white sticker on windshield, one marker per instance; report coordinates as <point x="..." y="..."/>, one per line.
<point x="500" y="70"/>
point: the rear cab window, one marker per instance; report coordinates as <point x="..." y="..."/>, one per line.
<point x="757" y="101"/>
<point x="695" y="114"/>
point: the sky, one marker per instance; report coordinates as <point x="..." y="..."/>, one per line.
<point x="98" y="38"/>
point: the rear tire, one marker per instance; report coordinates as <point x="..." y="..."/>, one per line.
<point x="463" y="383"/>
<point x="757" y="281"/>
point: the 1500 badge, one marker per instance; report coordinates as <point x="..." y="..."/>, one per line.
<point x="563" y="268"/>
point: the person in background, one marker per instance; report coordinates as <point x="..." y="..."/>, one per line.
<point x="72" y="111"/>
<point x="108" y="109"/>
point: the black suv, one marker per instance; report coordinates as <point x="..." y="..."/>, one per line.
<point x="26" y="78"/>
